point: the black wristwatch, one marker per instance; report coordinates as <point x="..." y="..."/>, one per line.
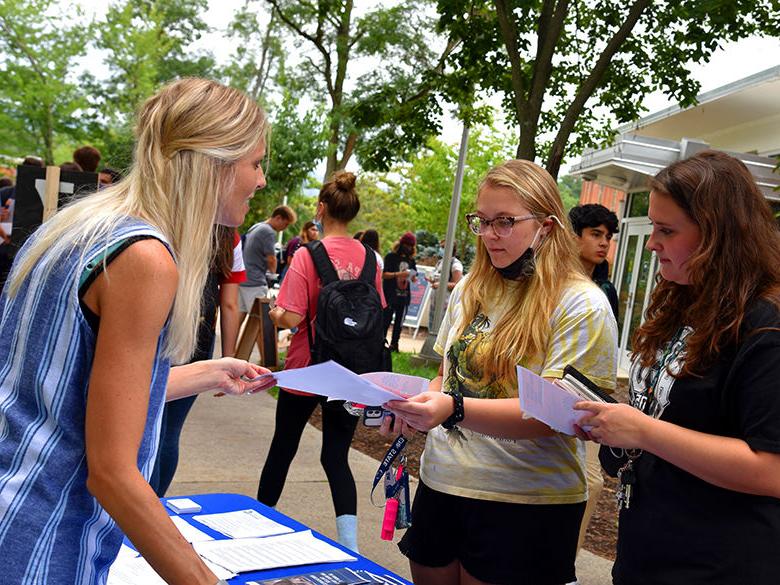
<point x="458" y="413"/>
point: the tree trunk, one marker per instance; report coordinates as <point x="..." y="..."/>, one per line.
<point x="48" y="136"/>
<point x="333" y="146"/>
<point x="336" y="162"/>
<point x="589" y="85"/>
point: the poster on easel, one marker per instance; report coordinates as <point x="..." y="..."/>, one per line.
<point x="40" y="192"/>
<point x="420" y="297"/>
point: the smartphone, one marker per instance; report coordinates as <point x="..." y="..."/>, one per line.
<point x="373" y="415"/>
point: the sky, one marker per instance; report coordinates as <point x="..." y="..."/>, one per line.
<point x="731" y="62"/>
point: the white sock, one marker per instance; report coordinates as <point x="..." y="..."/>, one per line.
<point x="347" y="527"/>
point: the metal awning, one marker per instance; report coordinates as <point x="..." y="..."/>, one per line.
<point x="633" y="159"/>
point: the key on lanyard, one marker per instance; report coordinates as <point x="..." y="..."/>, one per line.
<point x="627" y="477"/>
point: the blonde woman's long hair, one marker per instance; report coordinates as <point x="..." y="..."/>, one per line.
<point x="189" y="136"/>
<point x="524" y="330"/>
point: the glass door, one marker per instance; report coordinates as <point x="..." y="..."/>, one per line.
<point x="634" y="282"/>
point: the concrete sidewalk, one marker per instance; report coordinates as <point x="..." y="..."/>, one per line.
<point x="224" y="444"/>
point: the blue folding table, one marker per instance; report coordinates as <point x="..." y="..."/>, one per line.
<point x="215" y="503"/>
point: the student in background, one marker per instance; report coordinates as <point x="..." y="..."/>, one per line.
<point x="108" y="176"/>
<point x="594" y="226"/>
<point x="221" y="292"/>
<point x="456" y="273"/>
<point x="101" y="299"/>
<point x="71" y="167"/>
<point x="701" y="437"/>
<point x="260" y="256"/>
<point x="7" y="199"/>
<point x="309" y="233"/>
<point x="296" y="306"/>
<point x="501" y="496"/>
<point x="88" y="158"/>
<point x="371" y="239"/>
<point x="399" y="269"/>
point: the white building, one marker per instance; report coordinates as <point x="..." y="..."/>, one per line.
<point x="741" y="118"/>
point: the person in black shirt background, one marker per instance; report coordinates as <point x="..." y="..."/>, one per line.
<point x="399" y="269"/>
<point x="700" y="443"/>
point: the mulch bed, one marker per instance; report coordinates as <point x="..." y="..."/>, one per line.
<point x="602" y="531"/>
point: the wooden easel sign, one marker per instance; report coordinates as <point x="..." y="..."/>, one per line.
<point x="40" y="193"/>
<point x="260" y="330"/>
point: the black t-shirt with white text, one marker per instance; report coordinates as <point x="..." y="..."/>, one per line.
<point x="397" y="289"/>
<point x="682" y="530"/>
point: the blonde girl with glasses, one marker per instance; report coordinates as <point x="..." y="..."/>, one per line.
<point x="101" y="300"/>
<point x="501" y="495"/>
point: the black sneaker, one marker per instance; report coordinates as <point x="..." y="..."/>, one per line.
<point x="394" y="348"/>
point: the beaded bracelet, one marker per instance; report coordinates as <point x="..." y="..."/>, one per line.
<point x="458" y="413"/>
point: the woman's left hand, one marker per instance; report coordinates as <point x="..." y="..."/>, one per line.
<point x="616" y="425"/>
<point x="234" y="376"/>
<point x="424" y="411"/>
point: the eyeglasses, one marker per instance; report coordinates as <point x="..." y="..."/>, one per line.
<point x="502" y="225"/>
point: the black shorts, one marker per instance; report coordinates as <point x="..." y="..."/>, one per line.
<point x="495" y="542"/>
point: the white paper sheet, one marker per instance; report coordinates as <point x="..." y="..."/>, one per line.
<point x="547" y="402"/>
<point x="128" y="570"/>
<point x="189" y="532"/>
<point x="337" y="383"/>
<point x="401" y="384"/>
<point x="242" y="524"/>
<point x="219" y="571"/>
<point x="132" y="571"/>
<point x="257" y="554"/>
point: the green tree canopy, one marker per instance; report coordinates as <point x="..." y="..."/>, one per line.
<point x="39" y="95"/>
<point x="297" y="138"/>
<point x="146" y="43"/>
<point x="372" y="71"/>
<point x="569" y="69"/>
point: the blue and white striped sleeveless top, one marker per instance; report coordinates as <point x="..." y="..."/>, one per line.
<point x="52" y="531"/>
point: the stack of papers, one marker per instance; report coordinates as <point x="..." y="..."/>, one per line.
<point x="338" y="383"/>
<point x="131" y="569"/>
<point x="189" y="532"/>
<point x="547" y="402"/>
<point x="251" y="548"/>
<point x="242" y="524"/>
<point x="183" y="506"/>
<point x="258" y="554"/>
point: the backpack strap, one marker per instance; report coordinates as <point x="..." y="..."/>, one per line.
<point x="322" y="263"/>
<point x="368" y="274"/>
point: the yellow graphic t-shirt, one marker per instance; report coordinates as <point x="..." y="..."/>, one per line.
<point x="548" y="470"/>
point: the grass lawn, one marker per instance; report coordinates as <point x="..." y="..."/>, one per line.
<point x="402" y="365"/>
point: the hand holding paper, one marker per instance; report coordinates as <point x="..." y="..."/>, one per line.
<point x="338" y="383"/>
<point x="424" y="411"/>
<point x="547" y="402"/>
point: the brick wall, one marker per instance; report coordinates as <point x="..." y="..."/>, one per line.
<point x="609" y="197"/>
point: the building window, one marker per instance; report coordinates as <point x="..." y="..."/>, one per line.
<point x="775" y="205"/>
<point x="638" y="204"/>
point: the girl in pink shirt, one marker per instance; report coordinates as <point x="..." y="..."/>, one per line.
<point x="296" y="306"/>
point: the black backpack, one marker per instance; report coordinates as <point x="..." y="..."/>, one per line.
<point x="349" y="326"/>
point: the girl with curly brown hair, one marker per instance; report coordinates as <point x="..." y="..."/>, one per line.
<point x="699" y="445"/>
